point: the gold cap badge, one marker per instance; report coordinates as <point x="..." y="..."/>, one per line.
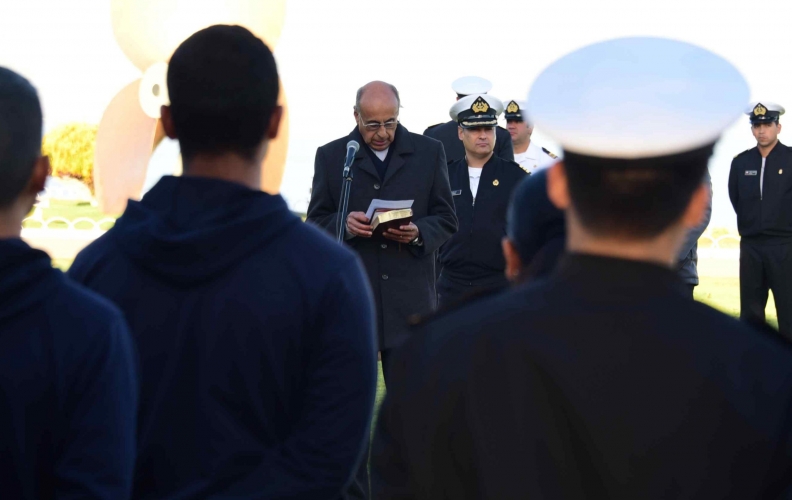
<point x="480" y="106"/>
<point x="512" y="107"/>
<point x="759" y="110"/>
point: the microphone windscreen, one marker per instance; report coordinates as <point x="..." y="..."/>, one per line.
<point x="354" y="145"/>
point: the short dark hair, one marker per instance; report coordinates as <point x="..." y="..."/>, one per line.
<point x="634" y="199"/>
<point x="20" y="134"/>
<point x="223" y="87"/>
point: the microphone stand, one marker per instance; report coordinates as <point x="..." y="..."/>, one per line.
<point x="346" y="185"/>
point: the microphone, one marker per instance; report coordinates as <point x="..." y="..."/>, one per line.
<point x="352" y="149"/>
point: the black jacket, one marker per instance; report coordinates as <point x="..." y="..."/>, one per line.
<point x="474" y="255"/>
<point x="69" y="385"/>
<point x="766" y="216"/>
<point x="402" y="276"/>
<point x="605" y="381"/>
<point x="454" y="150"/>
<point x="256" y="340"/>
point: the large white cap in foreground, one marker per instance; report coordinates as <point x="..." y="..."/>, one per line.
<point x="468" y="85"/>
<point x="637" y="97"/>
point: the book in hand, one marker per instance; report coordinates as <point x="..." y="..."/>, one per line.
<point x="382" y="205"/>
<point x="389" y="219"/>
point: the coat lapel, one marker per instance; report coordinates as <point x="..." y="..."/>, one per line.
<point x="362" y="160"/>
<point x="403" y="147"/>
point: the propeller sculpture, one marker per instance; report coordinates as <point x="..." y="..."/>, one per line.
<point x="148" y="32"/>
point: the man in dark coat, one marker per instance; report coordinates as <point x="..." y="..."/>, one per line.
<point x="391" y="164"/>
<point x="606" y="380"/>
<point x="481" y="183"/>
<point x="760" y="189"/>
<point x="255" y="331"/>
<point x="68" y="374"/>
<point x="447" y="132"/>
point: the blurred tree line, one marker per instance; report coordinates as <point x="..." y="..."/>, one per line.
<point x="70" y="148"/>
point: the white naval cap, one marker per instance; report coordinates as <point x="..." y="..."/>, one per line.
<point x="637" y="97"/>
<point x="468" y="85"/>
<point x="764" y="111"/>
<point x="514" y="109"/>
<point x="477" y="110"/>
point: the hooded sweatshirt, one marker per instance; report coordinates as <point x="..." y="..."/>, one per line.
<point x="68" y="382"/>
<point x="256" y="339"/>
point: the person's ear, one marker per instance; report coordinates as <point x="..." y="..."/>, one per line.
<point x="513" y="261"/>
<point x="779" y="127"/>
<point x="697" y="206"/>
<point x="557" y="186"/>
<point x="275" y="121"/>
<point x="460" y="131"/>
<point x="38" y="179"/>
<point x="167" y="122"/>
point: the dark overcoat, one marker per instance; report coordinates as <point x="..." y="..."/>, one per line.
<point x="402" y="276"/>
<point x="455" y="150"/>
<point x="605" y="381"/>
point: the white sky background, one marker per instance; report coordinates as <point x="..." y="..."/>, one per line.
<point x="330" y="48"/>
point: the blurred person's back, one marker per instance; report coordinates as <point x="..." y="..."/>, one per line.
<point x="255" y="330"/>
<point x="67" y="363"/>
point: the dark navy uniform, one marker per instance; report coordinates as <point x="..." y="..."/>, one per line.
<point x="472" y="260"/>
<point x="454" y="150"/>
<point x="606" y="381"/>
<point x="764" y="220"/>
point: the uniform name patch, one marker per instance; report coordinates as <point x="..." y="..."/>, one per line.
<point x="750" y="172"/>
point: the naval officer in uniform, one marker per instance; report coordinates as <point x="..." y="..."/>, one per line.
<point x="606" y="380"/>
<point x="760" y="188"/>
<point x="481" y="185"/>
<point x="447" y="132"/>
<point x="527" y="153"/>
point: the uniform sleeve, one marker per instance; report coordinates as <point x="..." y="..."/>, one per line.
<point x="441" y="223"/>
<point x="339" y="384"/>
<point x="733" y="188"/>
<point x="694" y="234"/>
<point x="97" y="449"/>
<point x="322" y="209"/>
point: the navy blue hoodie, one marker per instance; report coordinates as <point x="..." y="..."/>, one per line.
<point x="256" y="340"/>
<point x="68" y="383"/>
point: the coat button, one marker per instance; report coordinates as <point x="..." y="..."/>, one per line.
<point x="383" y="245"/>
<point x="376" y="186"/>
<point x="385" y="276"/>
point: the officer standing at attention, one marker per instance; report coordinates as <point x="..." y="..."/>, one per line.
<point x="527" y="153"/>
<point x="481" y="184"/>
<point x="447" y="132"/>
<point x="760" y="188"/>
<point x="605" y="380"/>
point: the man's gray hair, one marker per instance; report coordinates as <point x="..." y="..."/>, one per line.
<point x="362" y="89"/>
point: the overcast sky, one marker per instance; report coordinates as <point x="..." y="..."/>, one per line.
<point x="330" y="48"/>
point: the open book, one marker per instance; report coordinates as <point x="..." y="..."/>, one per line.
<point x="387" y="214"/>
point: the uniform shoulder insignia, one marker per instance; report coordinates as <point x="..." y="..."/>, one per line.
<point x="519" y="166"/>
<point x="432" y="126"/>
<point x="551" y="155"/>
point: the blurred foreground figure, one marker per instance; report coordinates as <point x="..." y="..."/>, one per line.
<point x="535" y="231"/>
<point x="255" y="331"/>
<point x="68" y="375"/>
<point x="760" y="189"/>
<point x="606" y="380"/>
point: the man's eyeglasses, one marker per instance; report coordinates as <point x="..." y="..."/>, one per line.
<point x="374" y="126"/>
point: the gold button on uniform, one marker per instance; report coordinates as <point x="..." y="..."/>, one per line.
<point x="495" y="182"/>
